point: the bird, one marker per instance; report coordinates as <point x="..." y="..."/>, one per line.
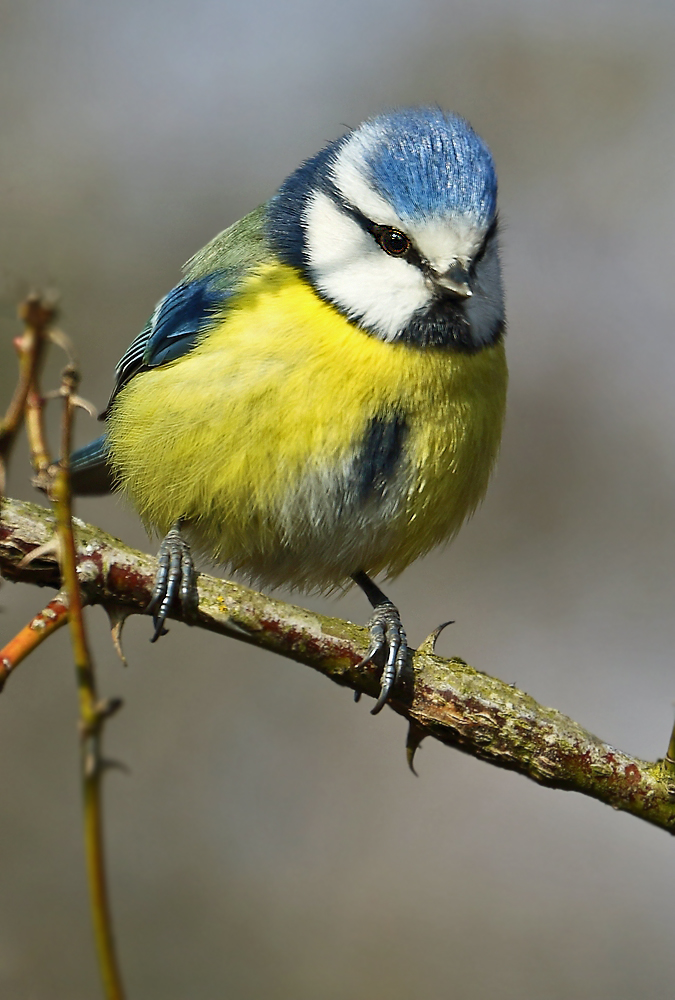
<point x="320" y="399"/>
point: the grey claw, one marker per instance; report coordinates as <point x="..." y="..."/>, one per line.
<point x="176" y="578"/>
<point x="377" y="641"/>
<point x="387" y="631"/>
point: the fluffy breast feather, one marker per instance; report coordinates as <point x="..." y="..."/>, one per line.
<point x="299" y="449"/>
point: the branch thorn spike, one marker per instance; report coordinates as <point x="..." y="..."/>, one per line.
<point x="412" y="744"/>
<point x="117" y="616"/>
<point x="429" y="644"/>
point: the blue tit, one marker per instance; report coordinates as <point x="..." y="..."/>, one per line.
<point x="321" y="398"/>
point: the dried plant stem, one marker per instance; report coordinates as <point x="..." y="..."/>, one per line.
<point x="92" y="714"/>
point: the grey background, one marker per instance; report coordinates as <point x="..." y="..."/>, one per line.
<point x="270" y="840"/>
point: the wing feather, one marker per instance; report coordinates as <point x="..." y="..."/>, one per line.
<point x="213" y="276"/>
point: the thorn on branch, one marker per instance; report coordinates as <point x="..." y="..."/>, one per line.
<point x="110" y="764"/>
<point x="107" y="707"/>
<point x="95" y="766"/>
<point x="669" y="759"/>
<point x="50" y="548"/>
<point x="429" y="644"/>
<point x="117" y="616"/>
<point x="62" y="340"/>
<point x="412" y="744"/>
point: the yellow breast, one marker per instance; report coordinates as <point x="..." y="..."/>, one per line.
<point x="262" y="439"/>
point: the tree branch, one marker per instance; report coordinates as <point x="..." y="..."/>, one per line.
<point x="37" y="315"/>
<point x="446" y="699"/>
<point x="93" y="712"/>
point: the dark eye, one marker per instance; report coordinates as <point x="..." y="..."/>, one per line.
<point x="392" y="241"/>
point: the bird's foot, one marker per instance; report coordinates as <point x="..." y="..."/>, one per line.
<point x="386" y="635"/>
<point x="176" y="578"/>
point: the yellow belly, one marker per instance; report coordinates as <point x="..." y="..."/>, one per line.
<point x="255" y="439"/>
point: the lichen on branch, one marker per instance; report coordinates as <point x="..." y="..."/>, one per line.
<point x="442" y="698"/>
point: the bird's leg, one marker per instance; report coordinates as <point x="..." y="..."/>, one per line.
<point x="386" y="632"/>
<point x="176" y="577"/>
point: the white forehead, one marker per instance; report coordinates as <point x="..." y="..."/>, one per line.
<point x="441" y="240"/>
<point x="350" y="176"/>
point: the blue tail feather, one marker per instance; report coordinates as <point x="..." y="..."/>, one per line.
<point x="90" y="470"/>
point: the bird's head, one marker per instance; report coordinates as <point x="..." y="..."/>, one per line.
<point x="395" y="224"/>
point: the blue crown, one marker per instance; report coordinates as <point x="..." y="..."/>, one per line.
<point x="428" y="163"/>
<point x="424" y="162"/>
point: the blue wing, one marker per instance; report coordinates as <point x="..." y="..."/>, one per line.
<point x="174" y="329"/>
<point x="176" y="324"/>
<point x="214" y="275"/>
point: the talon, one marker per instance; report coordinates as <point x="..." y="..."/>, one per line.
<point x="377" y="641"/>
<point x="189" y="594"/>
<point x="386" y="632"/>
<point x="176" y="578"/>
<point x="395" y="640"/>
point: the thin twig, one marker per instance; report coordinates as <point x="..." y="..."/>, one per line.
<point x="37" y="315"/>
<point x="35" y="430"/>
<point x="446" y="699"/>
<point x="51" y="618"/>
<point x="92" y="712"/>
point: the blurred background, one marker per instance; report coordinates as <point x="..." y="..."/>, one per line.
<point x="269" y="840"/>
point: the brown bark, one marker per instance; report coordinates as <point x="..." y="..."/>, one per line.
<point x="446" y="699"/>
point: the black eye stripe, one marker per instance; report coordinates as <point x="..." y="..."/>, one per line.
<point x="484" y="245"/>
<point x="381" y="233"/>
<point x="411" y="254"/>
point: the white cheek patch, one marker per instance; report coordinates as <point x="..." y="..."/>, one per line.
<point x="333" y="238"/>
<point x="351" y="270"/>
